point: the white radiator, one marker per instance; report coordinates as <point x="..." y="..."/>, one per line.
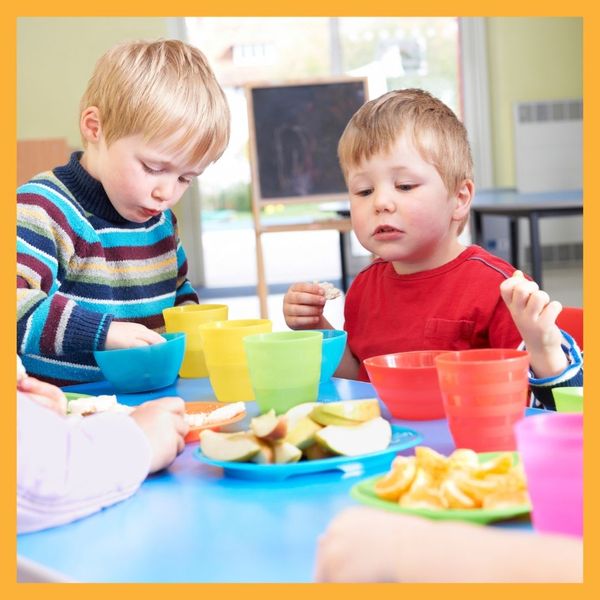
<point x="549" y="157"/>
<point x="548" y="145"/>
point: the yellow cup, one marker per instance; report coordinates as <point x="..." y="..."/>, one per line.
<point x="188" y="318"/>
<point x="226" y="357"/>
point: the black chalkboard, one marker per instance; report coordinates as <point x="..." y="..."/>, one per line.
<point x="295" y="130"/>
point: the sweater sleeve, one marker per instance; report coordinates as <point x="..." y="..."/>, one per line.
<point x="48" y="321"/>
<point x="185" y="291"/>
<point x="71" y="467"/>
<point x="572" y="376"/>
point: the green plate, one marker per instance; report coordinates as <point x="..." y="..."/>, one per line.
<point x="364" y="492"/>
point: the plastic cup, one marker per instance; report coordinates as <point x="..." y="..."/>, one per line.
<point x="188" y="318"/>
<point x="485" y="393"/>
<point x="334" y="344"/>
<point x="284" y="368"/>
<point x="551" y="449"/>
<point x="407" y="383"/>
<point x="226" y="358"/>
<point x="568" y="399"/>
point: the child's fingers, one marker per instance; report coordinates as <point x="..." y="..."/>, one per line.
<point x="551" y="312"/>
<point x="522" y="292"/>
<point x="172" y="404"/>
<point x="298" y="302"/>
<point x="305" y="287"/>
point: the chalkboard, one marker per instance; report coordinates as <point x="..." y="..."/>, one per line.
<point x="294" y="132"/>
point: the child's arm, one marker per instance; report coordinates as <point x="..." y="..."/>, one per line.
<point x="68" y="468"/>
<point x="535" y="317"/>
<point x="366" y="545"/>
<point x="348" y="367"/>
<point x="48" y="321"/>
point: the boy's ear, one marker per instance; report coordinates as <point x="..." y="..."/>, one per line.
<point x="463" y="198"/>
<point x="90" y="125"/>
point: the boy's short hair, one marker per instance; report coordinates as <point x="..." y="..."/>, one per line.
<point x="435" y="130"/>
<point x="163" y="90"/>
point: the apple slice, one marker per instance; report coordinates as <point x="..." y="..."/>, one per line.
<point x="265" y="455"/>
<point x="335" y="413"/>
<point x="316" y="452"/>
<point x="269" y="426"/>
<point x="371" y="436"/>
<point x="236" y="447"/>
<point x="299" y="412"/>
<point x="303" y="433"/>
<point x="286" y="453"/>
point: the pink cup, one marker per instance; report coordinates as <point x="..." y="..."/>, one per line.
<point x="485" y="393"/>
<point x="551" y="448"/>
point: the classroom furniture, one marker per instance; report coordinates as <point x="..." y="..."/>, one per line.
<point x="294" y="131"/>
<point x="36" y="156"/>
<point x="571" y="320"/>
<point x="189" y="523"/>
<point x="531" y="206"/>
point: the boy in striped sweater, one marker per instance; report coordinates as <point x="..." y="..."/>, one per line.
<point x="98" y="252"/>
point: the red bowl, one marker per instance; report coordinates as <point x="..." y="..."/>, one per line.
<point x="407" y="383"/>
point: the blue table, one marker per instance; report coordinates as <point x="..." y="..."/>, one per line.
<point x="191" y="524"/>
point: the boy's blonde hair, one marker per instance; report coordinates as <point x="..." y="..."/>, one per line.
<point x="163" y="90"/>
<point x="435" y="130"/>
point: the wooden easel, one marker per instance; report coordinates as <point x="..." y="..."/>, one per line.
<point x="262" y="198"/>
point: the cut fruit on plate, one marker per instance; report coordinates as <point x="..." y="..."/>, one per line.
<point x="205" y="408"/>
<point x="370" y="492"/>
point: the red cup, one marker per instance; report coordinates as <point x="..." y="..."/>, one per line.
<point x="551" y="449"/>
<point x="407" y="383"/>
<point x="485" y="392"/>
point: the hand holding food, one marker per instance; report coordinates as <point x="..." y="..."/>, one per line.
<point x="535" y="316"/>
<point x="303" y="306"/>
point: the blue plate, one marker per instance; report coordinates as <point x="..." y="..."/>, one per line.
<point x="402" y="438"/>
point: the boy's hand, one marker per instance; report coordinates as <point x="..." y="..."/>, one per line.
<point x="535" y="317"/>
<point x="303" y="307"/>
<point x="122" y="334"/>
<point x="44" y="393"/>
<point x="165" y="427"/>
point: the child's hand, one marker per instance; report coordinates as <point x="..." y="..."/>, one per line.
<point x="303" y="307"/>
<point x="165" y="427"/>
<point x="535" y="317"/>
<point x="43" y="393"/>
<point x="122" y="334"/>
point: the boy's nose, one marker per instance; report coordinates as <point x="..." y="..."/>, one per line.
<point x="383" y="202"/>
<point x="164" y="191"/>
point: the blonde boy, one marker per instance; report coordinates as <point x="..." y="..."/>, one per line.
<point x="408" y="167"/>
<point x="98" y="252"/>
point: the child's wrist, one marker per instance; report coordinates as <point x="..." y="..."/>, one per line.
<point x="548" y="363"/>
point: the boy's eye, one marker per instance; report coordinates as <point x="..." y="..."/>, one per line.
<point x="150" y="169"/>
<point x="363" y="193"/>
<point x="185" y="180"/>
<point x="405" y="187"/>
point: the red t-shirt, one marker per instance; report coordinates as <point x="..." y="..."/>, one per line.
<point x="453" y="307"/>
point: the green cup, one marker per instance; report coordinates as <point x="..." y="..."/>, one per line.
<point x="568" y="399"/>
<point x="284" y="368"/>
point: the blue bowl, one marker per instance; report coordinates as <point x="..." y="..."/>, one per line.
<point x="334" y="343"/>
<point x="144" y="368"/>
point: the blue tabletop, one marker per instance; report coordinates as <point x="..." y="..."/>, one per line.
<point x="189" y="523"/>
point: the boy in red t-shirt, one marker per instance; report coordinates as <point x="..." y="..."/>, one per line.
<point x="408" y="167"/>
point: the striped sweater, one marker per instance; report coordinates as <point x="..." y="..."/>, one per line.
<point x="80" y="266"/>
